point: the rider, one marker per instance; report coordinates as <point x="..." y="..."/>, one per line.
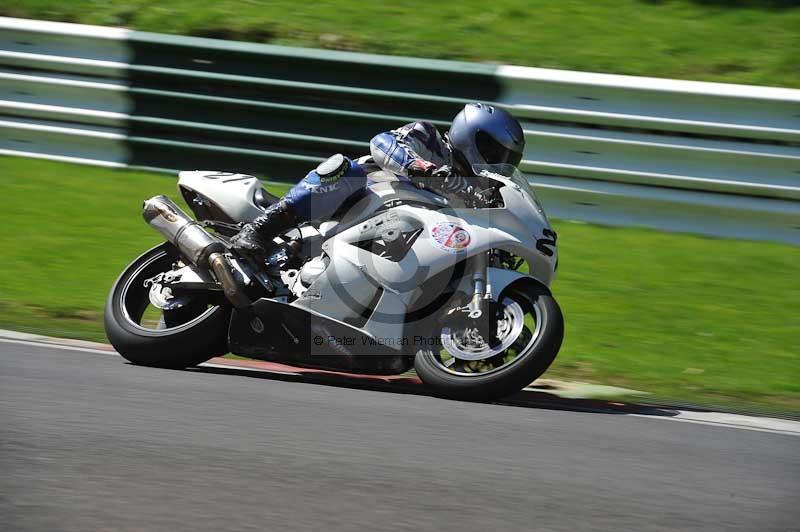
<point x="416" y="152"/>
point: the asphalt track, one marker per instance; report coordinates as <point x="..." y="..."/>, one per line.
<point x="88" y="442"/>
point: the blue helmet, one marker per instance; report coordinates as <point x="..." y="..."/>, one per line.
<point x="484" y="134"/>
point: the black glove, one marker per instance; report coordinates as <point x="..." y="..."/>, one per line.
<point x="442" y="171"/>
<point x="441" y="179"/>
<point x="449" y="181"/>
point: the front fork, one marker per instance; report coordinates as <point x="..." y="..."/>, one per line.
<point x="481" y="289"/>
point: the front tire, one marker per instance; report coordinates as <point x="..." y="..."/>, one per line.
<point x="171" y="339"/>
<point x="523" y="358"/>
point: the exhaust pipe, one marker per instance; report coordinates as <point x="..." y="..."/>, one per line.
<point x="195" y="243"/>
<point x="230" y="286"/>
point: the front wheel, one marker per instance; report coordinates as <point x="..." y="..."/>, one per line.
<point x="146" y="335"/>
<point x="523" y="343"/>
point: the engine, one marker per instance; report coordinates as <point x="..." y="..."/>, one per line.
<point x="298" y="281"/>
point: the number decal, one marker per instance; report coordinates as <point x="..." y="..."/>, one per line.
<point x="543" y="244"/>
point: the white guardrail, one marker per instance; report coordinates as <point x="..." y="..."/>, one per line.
<point x="687" y="156"/>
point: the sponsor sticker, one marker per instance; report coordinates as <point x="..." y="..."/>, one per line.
<point x="322" y="189"/>
<point x="450" y="237"/>
<point x="167" y="212"/>
<point x="333" y="178"/>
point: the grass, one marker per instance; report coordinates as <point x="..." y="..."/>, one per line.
<point x="738" y="41"/>
<point x="684" y="317"/>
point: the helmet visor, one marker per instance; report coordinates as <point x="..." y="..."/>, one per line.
<point x="495" y="153"/>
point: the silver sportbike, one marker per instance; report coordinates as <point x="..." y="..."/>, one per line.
<point x="456" y="288"/>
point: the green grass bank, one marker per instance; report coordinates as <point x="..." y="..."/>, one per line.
<point x="735" y="41"/>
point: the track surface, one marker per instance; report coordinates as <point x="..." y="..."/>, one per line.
<point x="90" y="443"/>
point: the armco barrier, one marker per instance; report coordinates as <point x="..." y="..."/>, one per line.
<point x="678" y="155"/>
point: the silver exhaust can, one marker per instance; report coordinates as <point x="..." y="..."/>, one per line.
<point x="194" y="242"/>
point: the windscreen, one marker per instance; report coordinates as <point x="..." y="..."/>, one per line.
<point x="508" y="174"/>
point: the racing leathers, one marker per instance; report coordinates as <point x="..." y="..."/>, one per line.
<point x="413" y="153"/>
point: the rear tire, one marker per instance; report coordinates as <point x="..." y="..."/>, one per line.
<point x="515" y="375"/>
<point x="189" y="336"/>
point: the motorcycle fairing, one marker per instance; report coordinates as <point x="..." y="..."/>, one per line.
<point x="275" y="331"/>
<point x="353" y="278"/>
<point x="360" y="276"/>
<point x="233" y="194"/>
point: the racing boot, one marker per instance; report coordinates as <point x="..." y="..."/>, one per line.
<point x="256" y="237"/>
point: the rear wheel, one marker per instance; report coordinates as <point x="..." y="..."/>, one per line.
<point x="464" y="365"/>
<point x="146" y="335"/>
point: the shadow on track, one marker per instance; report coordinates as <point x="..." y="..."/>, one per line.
<point x="524" y="399"/>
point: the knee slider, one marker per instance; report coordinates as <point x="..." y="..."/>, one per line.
<point x="332" y="169"/>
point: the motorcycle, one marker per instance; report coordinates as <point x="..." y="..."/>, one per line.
<point x="401" y="278"/>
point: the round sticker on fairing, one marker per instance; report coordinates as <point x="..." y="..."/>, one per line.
<point x="450" y="237"/>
